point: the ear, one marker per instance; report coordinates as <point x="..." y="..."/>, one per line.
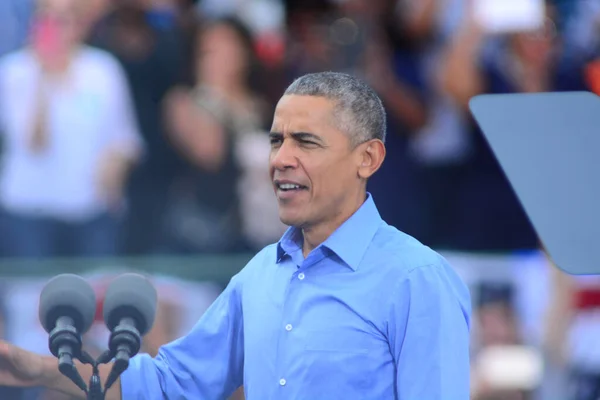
<point x="370" y="157"/>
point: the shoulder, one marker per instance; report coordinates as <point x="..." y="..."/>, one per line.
<point x="398" y="251"/>
<point x="265" y="257"/>
<point x="97" y="55"/>
<point x="261" y="261"/>
<point x="409" y="266"/>
<point x="101" y="62"/>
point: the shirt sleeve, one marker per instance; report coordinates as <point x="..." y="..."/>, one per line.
<point x="429" y="335"/>
<point x="206" y="364"/>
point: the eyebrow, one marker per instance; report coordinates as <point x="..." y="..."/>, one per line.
<point x="299" y="136"/>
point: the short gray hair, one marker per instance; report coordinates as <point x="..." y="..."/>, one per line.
<point x="359" y="111"/>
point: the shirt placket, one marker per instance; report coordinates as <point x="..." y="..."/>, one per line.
<point x="289" y="330"/>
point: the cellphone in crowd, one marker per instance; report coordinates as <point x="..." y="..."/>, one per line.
<point x="509" y="16"/>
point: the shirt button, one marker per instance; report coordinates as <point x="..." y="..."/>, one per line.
<point x="288" y="327"/>
<point x="301" y="275"/>
<point x="282" y="382"/>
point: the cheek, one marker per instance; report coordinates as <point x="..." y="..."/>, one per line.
<point x="271" y="171"/>
<point x="332" y="176"/>
<point x="235" y="57"/>
<point x="72" y="33"/>
<point x="270" y="162"/>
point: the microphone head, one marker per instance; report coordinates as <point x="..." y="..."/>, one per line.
<point x="130" y="296"/>
<point x="67" y="295"/>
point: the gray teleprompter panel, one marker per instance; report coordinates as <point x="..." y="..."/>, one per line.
<point x="548" y="145"/>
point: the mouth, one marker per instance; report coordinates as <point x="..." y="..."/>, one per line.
<point x="289" y="187"/>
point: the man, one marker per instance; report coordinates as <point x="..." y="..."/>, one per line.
<point x="343" y="307"/>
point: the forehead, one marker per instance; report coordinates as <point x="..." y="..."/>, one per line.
<point x="303" y="113"/>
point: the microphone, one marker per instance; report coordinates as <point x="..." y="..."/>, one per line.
<point x="66" y="311"/>
<point x="129" y="310"/>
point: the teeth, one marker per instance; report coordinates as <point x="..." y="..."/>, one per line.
<point x="288" y="186"/>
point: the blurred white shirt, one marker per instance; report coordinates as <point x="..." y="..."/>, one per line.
<point x="88" y="114"/>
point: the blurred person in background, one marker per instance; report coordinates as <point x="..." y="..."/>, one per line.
<point x="495" y="315"/>
<point x="380" y="41"/>
<point x="16" y="18"/>
<point x="266" y="21"/>
<point x="571" y="334"/>
<point x="224" y="198"/>
<point x="496" y="325"/>
<point x="308" y="48"/>
<point x="397" y="39"/>
<point x="150" y="45"/>
<point x="584" y="31"/>
<point x="482" y="211"/>
<point x="442" y="141"/>
<point x="70" y="139"/>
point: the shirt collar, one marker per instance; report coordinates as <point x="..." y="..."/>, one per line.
<point x="349" y="242"/>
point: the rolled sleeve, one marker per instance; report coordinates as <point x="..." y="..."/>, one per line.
<point x="429" y="335"/>
<point x="205" y="364"/>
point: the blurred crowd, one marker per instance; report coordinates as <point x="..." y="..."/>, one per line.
<point x="139" y="127"/>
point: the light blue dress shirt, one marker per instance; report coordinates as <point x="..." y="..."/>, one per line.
<point x="370" y="314"/>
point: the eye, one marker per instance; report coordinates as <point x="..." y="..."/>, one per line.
<point x="307" y="143"/>
<point x="275" y="141"/>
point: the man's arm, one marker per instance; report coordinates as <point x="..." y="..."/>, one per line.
<point x="429" y="334"/>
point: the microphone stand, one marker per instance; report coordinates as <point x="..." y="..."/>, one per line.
<point x="94" y="390"/>
<point x="65" y="343"/>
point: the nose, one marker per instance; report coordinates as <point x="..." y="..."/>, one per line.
<point x="284" y="156"/>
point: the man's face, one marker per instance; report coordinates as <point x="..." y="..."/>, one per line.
<point x="313" y="165"/>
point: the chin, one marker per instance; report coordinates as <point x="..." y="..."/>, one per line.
<point x="290" y="219"/>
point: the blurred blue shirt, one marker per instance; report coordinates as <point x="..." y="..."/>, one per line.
<point x="370" y="314"/>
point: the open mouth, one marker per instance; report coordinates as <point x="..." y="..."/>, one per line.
<point x="289" y="187"/>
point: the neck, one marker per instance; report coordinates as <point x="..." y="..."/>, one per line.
<point x="318" y="233"/>
<point x="58" y="65"/>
